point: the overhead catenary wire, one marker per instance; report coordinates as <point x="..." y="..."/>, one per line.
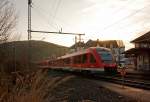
<point x="138" y="22"/>
<point x="60" y="32"/>
<point x="42" y="15"/>
<point x="115" y="23"/>
<point x="42" y="12"/>
<point x="52" y="16"/>
<point x="122" y="7"/>
<point x="56" y="10"/>
<point x="55" y="14"/>
<point x="126" y="17"/>
<point x="51" y="24"/>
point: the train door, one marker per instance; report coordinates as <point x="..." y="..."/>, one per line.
<point x="92" y="61"/>
<point x="84" y="60"/>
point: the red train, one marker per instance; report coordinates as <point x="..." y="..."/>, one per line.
<point x="91" y="59"/>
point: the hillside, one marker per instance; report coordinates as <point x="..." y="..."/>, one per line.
<point x="38" y="50"/>
<point x="18" y="51"/>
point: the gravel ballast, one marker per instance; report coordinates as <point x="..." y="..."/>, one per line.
<point x="79" y="89"/>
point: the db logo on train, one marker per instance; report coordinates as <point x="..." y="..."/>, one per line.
<point x="123" y="71"/>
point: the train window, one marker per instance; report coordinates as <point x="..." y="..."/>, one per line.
<point x="67" y="61"/>
<point x="92" y="59"/>
<point x="74" y="60"/>
<point x="77" y="59"/>
<point x="83" y="58"/>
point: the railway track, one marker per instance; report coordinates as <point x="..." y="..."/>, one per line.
<point x="137" y="76"/>
<point x="126" y="81"/>
<point x="130" y="80"/>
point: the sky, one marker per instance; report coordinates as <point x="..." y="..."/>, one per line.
<point x="97" y="19"/>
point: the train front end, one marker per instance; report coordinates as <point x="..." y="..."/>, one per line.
<point x="107" y="60"/>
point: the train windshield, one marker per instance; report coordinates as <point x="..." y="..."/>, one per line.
<point x="105" y="55"/>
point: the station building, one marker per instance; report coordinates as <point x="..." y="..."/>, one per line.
<point x="141" y="52"/>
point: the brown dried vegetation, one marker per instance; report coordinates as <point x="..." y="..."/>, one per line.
<point x="35" y="87"/>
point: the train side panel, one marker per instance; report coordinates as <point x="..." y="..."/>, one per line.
<point x="93" y="59"/>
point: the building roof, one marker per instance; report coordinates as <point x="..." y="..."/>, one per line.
<point x="91" y="43"/>
<point x="144" y="38"/>
<point x="81" y="44"/>
<point x="105" y="43"/>
<point x="137" y="50"/>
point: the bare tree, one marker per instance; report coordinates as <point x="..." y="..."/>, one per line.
<point x="8" y="20"/>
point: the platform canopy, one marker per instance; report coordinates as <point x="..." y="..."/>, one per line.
<point x="136" y="51"/>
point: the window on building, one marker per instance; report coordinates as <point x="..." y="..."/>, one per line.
<point x="137" y="45"/>
<point x="143" y="45"/>
<point x="111" y="45"/>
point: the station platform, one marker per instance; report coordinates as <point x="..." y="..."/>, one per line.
<point x="140" y="95"/>
<point x="133" y="71"/>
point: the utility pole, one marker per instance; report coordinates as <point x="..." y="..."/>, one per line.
<point x="30" y="30"/>
<point x="75" y="43"/>
<point x="29" y="33"/>
<point x="29" y="19"/>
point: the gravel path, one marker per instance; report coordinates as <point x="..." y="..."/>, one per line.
<point x="78" y="89"/>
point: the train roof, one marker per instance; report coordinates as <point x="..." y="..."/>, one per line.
<point x="75" y="53"/>
<point x="84" y="51"/>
